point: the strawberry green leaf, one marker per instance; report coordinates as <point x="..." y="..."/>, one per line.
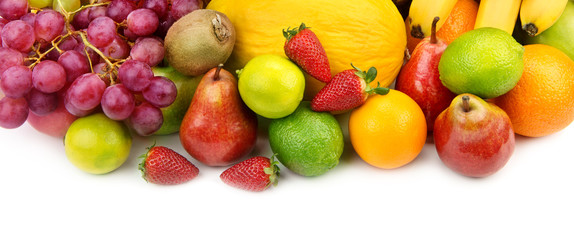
<point x="368" y="76"/>
<point x="273" y="170"/>
<point x="302" y="27"/>
<point x="371" y="75"/>
<point x="356" y="68"/>
<point x="381" y="90"/>
<point x="290" y="33"/>
<point x="378" y="90"/>
<point x="360" y="73"/>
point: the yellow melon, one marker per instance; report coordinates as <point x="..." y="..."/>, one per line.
<point x="363" y="32"/>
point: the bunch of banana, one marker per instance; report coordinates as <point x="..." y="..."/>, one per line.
<point x="423" y="12"/>
<point x="539" y="15"/>
<point x="500" y="14"/>
<point x="535" y="15"/>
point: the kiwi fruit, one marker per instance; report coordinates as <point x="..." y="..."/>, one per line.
<point x="199" y="41"/>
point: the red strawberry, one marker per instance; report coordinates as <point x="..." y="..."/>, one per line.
<point x="347" y="90"/>
<point x="303" y="47"/>
<point x="161" y="165"/>
<point x="254" y="174"/>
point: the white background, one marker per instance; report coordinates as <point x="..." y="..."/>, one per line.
<point x="43" y="196"/>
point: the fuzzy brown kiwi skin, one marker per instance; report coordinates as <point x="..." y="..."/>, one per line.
<point x="199" y="41"/>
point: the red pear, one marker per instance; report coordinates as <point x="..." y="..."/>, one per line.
<point x="473" y="137"/>
<point x="419" y="78"/>
<point x="218" y="129"/>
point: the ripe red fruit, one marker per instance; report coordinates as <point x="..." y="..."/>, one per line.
<point x="419" y="78"/>
<point x="254" y="174"/>
<point x="161" y="165"/>
<point x="346" y="90"/>
<point x="304" y="48"/>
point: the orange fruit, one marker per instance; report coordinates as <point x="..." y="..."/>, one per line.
<point x="542" y="102"/>
<point x="460" y="20"/>
<point x="388" y="131"/>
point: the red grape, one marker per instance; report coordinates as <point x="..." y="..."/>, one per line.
<point x="69" y="43"/>
<point x="101" y="31"/>
<point x="118" y="10"/>
<point x="48" y="25"/>
<point x="118" y="102"/>
<point x="142" y="22"/>
<point x="117" y="49"/>
<point x="13" y="9"/>
<point x="73" y="109"/>
<point x="180" y="8"/>
<point x="18" y="35"/>
<point x="74" y="63"/>
<point x="10" y="57"/>
<point x="145" y="119"/>
<point x="16" y="81"/>
<point x="29" y="18"/>
<point x="160" y="7"/>
<point x="164" y="25"/>
<point x="135" y="75"/>
<point x="42" y="103"/>
<point x="49" y="76"/>
<point x="161" y="92"/>
<point x="98" y="11"/>
<point x="81" y="19"/>
<point x="86" y="92"/>
<point x="148" y="50"/>
<point x="13" y="112"/>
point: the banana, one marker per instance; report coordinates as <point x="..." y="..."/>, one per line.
<point x="539" y="15"/>
<point x="422" y="13"/>
<point x="500" y="14"/>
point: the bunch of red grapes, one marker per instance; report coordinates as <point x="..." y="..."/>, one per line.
<point x="96" y="58"/>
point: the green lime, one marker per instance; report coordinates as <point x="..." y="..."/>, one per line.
<point x="486" y="62"/>
<point x="97" y="144"/>
<point x="174" y="113"/>
<point x="306" y="142"/>
<point x="271" y="85"/>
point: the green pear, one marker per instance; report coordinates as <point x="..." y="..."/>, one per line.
<point x="560" y="35"/>
<point x="174" y="113"/>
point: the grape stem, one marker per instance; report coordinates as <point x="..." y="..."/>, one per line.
<point x="95" y="49"/>
<point x="111" y="62"/>
<point x="41" y="55"/>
